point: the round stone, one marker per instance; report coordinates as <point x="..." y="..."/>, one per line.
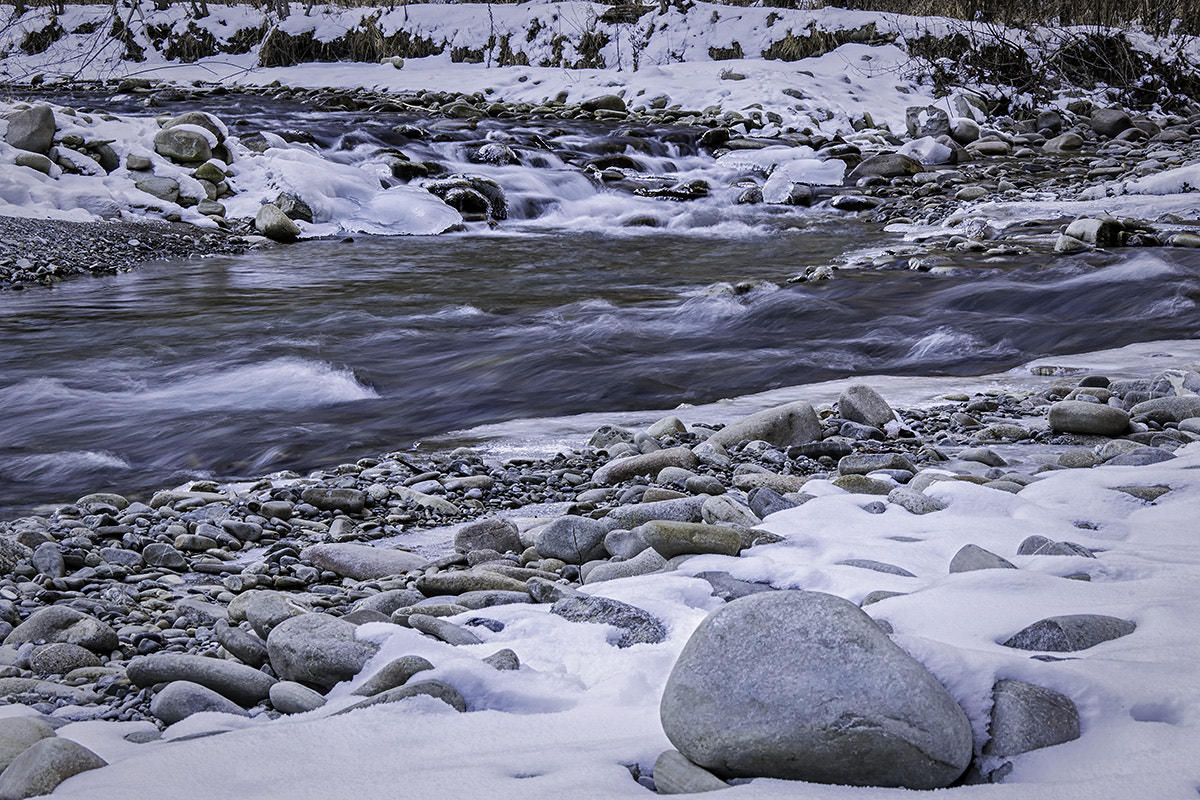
<point x="805" y="686"/>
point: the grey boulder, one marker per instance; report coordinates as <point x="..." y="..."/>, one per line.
<point x="275" y="225"/>
<point x="575" y="540"/>
<point x="318" y="650"/>
<point x="31" y="129"/>
<point x="783" y="426"/>
<point x="500" y="535"/>
<point x="41" y="768"/>
<point x="18" y="734"/>
<point x="1029" y="717"/>
<point x="860" y="403"/>
<point x="805" y="686"/>
<point x="183" y="145"/>
<point x="240" y="683"/>
<point x="360" y="561"/>
<point x="65" y="624"/>
<point x="180" y="699"/>
<point x="971" y="557"/>
<point x="1069" y="633"/>
<point x="1077" y="416"/>
<point x="636" y="625"/>
<point x="651" y="464"/>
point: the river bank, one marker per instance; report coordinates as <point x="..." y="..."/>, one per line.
<point x="452" y="558"/>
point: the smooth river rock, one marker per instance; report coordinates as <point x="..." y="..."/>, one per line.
<point x="242" y="684"/>
<point x="65" y="624"/>
<point x="360" y="561"/>
<point x="805" y="686"/>
<point x="1069" y="633"/>
<point x="317" y="649"/>
<point x="41" y="768"/>
<point x="1077" y="416"/>
<point x="783" y="426"/>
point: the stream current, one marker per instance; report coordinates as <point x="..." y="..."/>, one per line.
<point x="306" y="355"/>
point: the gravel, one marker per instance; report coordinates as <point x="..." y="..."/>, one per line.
<point x="42" y="252"/>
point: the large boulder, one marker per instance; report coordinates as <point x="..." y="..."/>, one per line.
<point x="318" y="650"/>
<point x="272" y="223"/>
<point x="180" y="699"/>
<point x="860" y="403"/>
<point x="1070" y="633"/>
<point x="65" y="624"/>
<point x="31" y="129"/>
<point x="575" y="540"/>
<point x="1077" y="416"/>
<point x="41" y="768"/>
<point x="362" y="562"/>
<point x="805" y="686"/>
<point x="783" y="426"/>
<point x="1028" y="717"/>
<point x="240" y="683"/>
<point x="185" y="144"/>
<point x="18" y="734"/>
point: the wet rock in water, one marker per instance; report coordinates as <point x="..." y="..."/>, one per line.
<point x="1070" y="633"/>
<point x="65" y="624"/>
<point x="18" y="734"/>
<point x="318" y="650"/>
<point x="1029" y="717"/>
<point x="636" y="625"/>
<point x="805" y="686"/>
<point x="31" y="129"/>
<point x="238" y="682"/>
<point x="180" y="699"/>
<point x="496" y="534"/>
<point x="783" y="426"/>
<point x="1077" y="416"/>
<point x="293" y="207"/>
<point x="271" y="222"/>
<point x="41" y="768"/>
<point x="674" y="774"/>
<point x="575" y="540"/>
<point x="361" y="562"/>
<point x="972" y="557"/>
<point x="1102" y="232"/>
<point x="289" y="697"/>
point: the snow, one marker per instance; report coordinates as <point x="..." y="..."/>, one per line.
<point x="579" y="708"/>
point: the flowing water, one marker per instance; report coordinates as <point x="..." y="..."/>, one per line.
<point x="306" y="355"/>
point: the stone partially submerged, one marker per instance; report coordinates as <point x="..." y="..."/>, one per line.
<point x="805" y="686"/>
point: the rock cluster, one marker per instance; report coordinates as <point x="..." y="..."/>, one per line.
<point x="203" y="598"/>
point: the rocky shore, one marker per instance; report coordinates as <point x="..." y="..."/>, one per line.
<point x="40" y="252"/>
<point x="245" y="599"/>
<point x="973" y="187"/>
